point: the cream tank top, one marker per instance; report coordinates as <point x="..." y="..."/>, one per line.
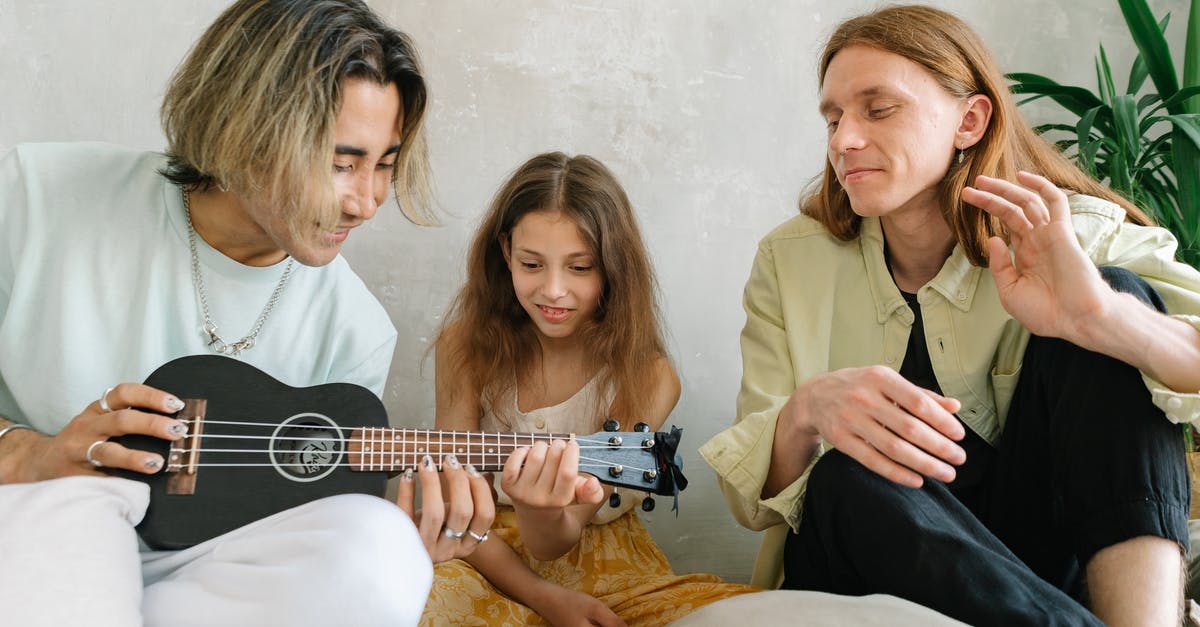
<point x="575" y="415"/>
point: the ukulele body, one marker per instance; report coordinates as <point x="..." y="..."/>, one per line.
<point x="289" y="450"/>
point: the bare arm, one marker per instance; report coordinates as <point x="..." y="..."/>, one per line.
<point x="558" y="605"/>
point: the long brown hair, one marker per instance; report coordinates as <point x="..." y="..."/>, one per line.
<point x="950" y="51"/>
<point x="493" y="339"/>
<point x="253" y="106"/>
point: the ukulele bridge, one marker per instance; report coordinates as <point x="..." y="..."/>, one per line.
<point x="184" y="454"/>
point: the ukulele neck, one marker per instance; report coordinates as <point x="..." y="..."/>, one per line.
<point x="375" y="449"/>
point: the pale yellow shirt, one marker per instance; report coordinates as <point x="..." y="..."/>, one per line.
<point x="815" y="304"/>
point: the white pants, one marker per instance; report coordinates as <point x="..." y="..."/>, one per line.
<point x="69" y="556"/>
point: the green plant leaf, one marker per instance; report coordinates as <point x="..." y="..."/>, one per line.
<point x="1139" y="72"/>
<point x="1148" y="100"/>
<point x="1174" y="101"/>
<point x="1185" y="151"/>
<point x="1118" y="174"/>
<point x="1158" y="149"/>
<point x="1126" y="118"/>
<point x="1191" y="56"/>
<point x="1042" y="129"/>
<point x="1104" y="77"/>
<point x="1075" y="99"/>
<point x="1189" y="123"/>
<point x="1152" y="45"/>
<point x="1087" y="146"/>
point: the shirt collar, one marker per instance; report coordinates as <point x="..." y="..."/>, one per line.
<point x="956" y="281"/>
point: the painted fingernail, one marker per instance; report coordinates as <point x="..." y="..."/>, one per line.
<point x="471" y="470"/>
<point x="450" y="460"/>
<point x="177" y="429"/>
<point x="174" y="404"/>
<point x="408" y="475"/>
<point x="427" y="462"/>
<point x="152" y="463"/>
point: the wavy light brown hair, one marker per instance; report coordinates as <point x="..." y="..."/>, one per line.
<point x="954" y="55"/>
<point x="252" y="108"/>
<point x="488" y="335"/>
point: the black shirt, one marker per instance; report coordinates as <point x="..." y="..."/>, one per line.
<point x="918" y="370"/>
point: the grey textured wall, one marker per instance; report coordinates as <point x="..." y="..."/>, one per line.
<point x="706" y="110"/>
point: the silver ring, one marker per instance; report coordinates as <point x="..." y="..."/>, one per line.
<point x="479" y="538"/>
<point x="453" y="535"/>
<point x="92" y="449"/>
<point x="104" y="402"/>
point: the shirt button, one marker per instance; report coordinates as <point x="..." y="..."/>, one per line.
<point x="962" y="296"/>
<point x="890" y="359"/>
<point x="1174" y="403"/>
<point x="540" y="424"/>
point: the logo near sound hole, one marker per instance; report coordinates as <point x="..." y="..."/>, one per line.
<point x="306" y="447"/>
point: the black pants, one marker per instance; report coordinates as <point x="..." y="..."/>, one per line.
<point x="1085" y="461"/>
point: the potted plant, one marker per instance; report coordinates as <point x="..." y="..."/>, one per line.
<point x="1144" y="142"/>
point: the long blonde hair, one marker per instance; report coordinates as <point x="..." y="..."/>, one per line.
<point x="252" y="108"/>
<point x="950" y="51"/>
<point x="494" y="339"/>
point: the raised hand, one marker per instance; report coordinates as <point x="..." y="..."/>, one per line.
<point x="83" y="447"/>
<point x="1049" y="285"/>
<point x="874" y="415"/>
<point x="451" y="525"/>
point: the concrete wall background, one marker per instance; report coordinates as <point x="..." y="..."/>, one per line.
<point x="705" y="109"/>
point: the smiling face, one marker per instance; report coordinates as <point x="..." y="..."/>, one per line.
<point x="892" y="130"/>
<point x="366" y="143"/>
<point x="555" y="274"/>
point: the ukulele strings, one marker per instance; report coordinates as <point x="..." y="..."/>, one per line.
<point x="380" y="457"/>
<point x="585" y="443"/>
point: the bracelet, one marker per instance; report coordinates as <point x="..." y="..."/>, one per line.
<point x="13" y="427"/>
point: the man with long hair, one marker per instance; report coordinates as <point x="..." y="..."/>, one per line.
<point x="1003" y="411"/>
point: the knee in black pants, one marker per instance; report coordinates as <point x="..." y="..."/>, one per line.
<point x="1123" y="280"/>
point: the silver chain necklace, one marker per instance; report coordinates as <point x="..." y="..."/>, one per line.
<point x="210" y="328"/>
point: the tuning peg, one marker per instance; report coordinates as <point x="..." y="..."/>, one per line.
<point x="641" y="427"/>
<point x="648" y="504"/>
<point x="611" y="425"/>
<point x="614" y="500"/>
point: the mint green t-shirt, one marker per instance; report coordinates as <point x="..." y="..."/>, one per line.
<point x="96" y="289"/>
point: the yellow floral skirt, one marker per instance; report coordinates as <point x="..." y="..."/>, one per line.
<point x="617" y="563"/>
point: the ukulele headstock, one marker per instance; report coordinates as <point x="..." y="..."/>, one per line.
<point x="639" y="459"/>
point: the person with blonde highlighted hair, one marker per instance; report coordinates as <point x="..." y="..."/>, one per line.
<point x="961" y="383"/>
<point x="288" y="126"/>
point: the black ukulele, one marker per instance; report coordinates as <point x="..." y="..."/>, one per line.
<point x="256" y="446"/>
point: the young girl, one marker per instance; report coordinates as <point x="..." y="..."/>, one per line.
<point x="557" y="330"/>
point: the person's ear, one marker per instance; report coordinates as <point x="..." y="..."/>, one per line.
<point x="975" y="120"/>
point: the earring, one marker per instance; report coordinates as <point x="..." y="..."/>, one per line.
<point x="960" y="156"/>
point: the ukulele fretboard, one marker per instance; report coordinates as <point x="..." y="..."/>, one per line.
<point x="396" y="450"/>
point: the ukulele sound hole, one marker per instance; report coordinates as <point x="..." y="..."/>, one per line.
<point x="307" y="447"/>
